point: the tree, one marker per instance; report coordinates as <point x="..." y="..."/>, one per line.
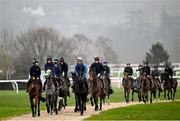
<point x="157" y="54"/>
<point x="7" y="53"/>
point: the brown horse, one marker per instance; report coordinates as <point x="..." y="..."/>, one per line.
<point x="34" y="90"/>
<point x="153" y="88"/>
<point x="166" y="85"/>
<point x="145" y="86"/>
<point x="137" y="88"/>
<point x="96" y="89"/>
<point x="169" y="85"/>
<point x="127" y="84"/>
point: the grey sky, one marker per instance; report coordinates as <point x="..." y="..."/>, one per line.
<point x="93" y="18"/>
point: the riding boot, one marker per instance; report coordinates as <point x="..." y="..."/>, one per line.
<point x="40" y="83"/>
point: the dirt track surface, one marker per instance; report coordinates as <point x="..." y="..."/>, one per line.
<point x="68" y="113"/>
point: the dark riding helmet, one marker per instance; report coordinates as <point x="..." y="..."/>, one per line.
<point x="35" y="61"/>
<point x="49" y="59"/>
<point x="140" y="65"/>
<point x="105" y="62"/>
<point x="96" y="58"/>
<point x="145" y="62"/>
<point x="128" y="64"/>
<point x="61" y="59"/>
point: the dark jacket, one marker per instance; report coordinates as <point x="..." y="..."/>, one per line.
<point x="169" y="71"/>
<point x="107" y="69"/>
<point x="64" y="68"/>
<point x="56" y="71"/>
<point x="129" y="70"/>
<point x="98" y="67"/>
<point x="35" y="71"/>
<point x="146" y="70"/>
<point x="48" y="66"/>
<point x="155" y="73"/>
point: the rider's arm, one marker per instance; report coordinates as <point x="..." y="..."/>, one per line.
<point x="85" y="70"/>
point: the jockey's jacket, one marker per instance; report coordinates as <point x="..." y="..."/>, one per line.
<point x="81" y="67"/>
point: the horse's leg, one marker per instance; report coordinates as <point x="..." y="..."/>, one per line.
<point x="39" y="105"/>
<point x="133" y="95"/>
<point x="65" y="101"/>
<point x="91" y="98"/>
<point x="36" y="103"/>
<point x="159" y="94"/>
<point x="108" y="99"/>
<point x="76" y="102"/>
<point x="168" y="94"/>
<point x="164" y="94"/>
<point x="151" y="96"/>
<point x="101" y="99"/>
<point x="96" y="103"/>
<point x="82" y="104"/>
<point x="139" y="96"/>
<point x="32" y="106"/>
<point x="174" y="93"/>
<point x="128" y="91"/>
<point x="51" y="104"/>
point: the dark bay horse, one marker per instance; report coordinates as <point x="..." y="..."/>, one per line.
<point x="153" y="88"/>
<point x="34" y="90"/>
<point x="127" y="84"/>
<point x="63" y="92"/>
<point x="96" y="89"/>
<point x="145" y="86"/>
<point x="52" y="92"/>
<point x="169" y="85"/>
<point x="107" y="86"/>
<point x="80" y="88"/>
<point x="137" y="88"/>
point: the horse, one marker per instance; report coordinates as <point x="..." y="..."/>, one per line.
<point x="137" y="88"/>
<point x="166" y="85"/>
<point x="127" y="84"/>
<point x="174" y="87"/>
<point x="107" y="86"/>
<point x="52" y="91"/>
<point x="145" y="85"/>
<point x="96" y="89"/>
<point x="34" y="90"/>
<point x="63" y="93"/>
<point x="80" y="88"/>
<point x="169" y="85"/>
<point x="154" y="88"/>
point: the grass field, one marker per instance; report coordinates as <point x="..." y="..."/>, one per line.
<point x="12" y="104"/>
<point x="157" y="111"/>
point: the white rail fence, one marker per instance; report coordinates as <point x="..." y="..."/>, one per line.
<point x="115" y="68"/>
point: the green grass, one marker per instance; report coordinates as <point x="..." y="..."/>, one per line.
<point x="157" y="111"/>
<point x="12" y="104"/>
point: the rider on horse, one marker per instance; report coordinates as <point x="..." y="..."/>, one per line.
<point x="128" y="69"/>
<point x="169" y="72"/>
<point x="97" y="66"/>
<point x="140" y="70"/>
<point x="35" y="72"/>
<point x="146" y="71"/>
<point x="64" y="69"/>
<point x="49" y="65"/>
<point x="155" y="73"/>
<point x="56" y="69"/>
<point x="107" y="70"/>
<point x="80" y="66"/>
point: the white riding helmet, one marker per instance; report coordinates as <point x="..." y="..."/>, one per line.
<point x="79" y="58"/>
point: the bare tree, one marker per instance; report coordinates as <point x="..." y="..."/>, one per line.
<point x="7" y="53"/>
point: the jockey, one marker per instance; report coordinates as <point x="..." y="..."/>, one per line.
<point x="128" y="69"/>
<point x="97" y="66"/>
<point x="80" y="66"/>
<point x="56" y="69"/>
<point x="146" y="69"/>
<point x="49" y="64"/>
<point x="169" y="72"/>
<point x="64" y="69"/>
<point x="35" y="71"/>
<point x="155" y="73"/>
<point x="107" y="70"/>
<point x="140" y="70"/>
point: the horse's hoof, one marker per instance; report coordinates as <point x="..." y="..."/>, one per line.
<point x="38" y="114"/>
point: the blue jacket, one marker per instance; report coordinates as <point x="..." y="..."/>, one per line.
<point x="81" y="67"/>
<point x="48" y="66"/>
<point x="56" y="71"/>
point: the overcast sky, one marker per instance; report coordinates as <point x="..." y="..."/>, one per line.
<point x="92" y="18"/>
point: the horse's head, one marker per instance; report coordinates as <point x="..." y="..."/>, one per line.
<point x="126" y="74"/>
<point x="92" y="73"/>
